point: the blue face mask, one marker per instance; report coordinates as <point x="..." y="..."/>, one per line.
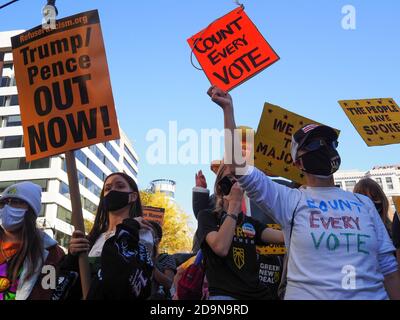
<point x="11" y="218"/>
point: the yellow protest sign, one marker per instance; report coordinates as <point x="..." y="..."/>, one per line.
<point x="273" y="140"/>
<point x="396" y="201"/>
<point x="376" y="120"/>
<point x="272" y="249"/>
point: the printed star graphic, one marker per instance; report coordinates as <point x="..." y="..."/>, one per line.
<point x="286" y="169"/>
<point x="345" y="104"/>
<point x="390" y="101"/>
<point x="380" y="101"/>
<point x="381" y="138"/>
<point x="269" y="164"/>
<point x="357" y="103"/>
<point x="285" y="117"/>
<point x="301" y="175"/>
<point x="369" y="139"/>
<point x="270" y="110"/>
<point x="301" y="123"/>
<point x="394" y="137"/>
<point x="368" y="102"/>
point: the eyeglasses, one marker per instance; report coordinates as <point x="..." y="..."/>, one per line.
<point x="12" y="202"/>
<point x="316" y="144"/>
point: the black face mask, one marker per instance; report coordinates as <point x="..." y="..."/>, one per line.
<point x="116" y="200"/>
<point x="322" y="162"/>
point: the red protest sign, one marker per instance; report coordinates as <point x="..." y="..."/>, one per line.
<point x="232" y="50"/>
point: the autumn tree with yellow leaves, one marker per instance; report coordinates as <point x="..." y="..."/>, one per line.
<point x="177" y="235"/>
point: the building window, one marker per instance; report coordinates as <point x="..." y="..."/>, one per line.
<point x="130" y="155"/>
<point x="2" y="101"/>
<point x="389" y="183"/>
<point x="5" y="82"/>
<point x="13" y="121"/>
<point x="20" y="163"/>
<point x="64" y="214"/>
<point x="64" y="190"/>
<point x="133" y="171"/>
<point x="9" y="164"/>
<point x="89" y="206"/>
<point x="62" y="238"/>
<point x="81" y="157"/>
<point x="11" y="142"/>
<point x="36" y="164"/>
<point x="41" y="182"/>
<point x="111" y="149"/>
<point x="350" y="185"/>
<point x="14" y="101"/>
<point x="379" y="181"/>
<point x="92" y="187"/>
<point x="110" y="165"/>
<point x="95" y="169"/>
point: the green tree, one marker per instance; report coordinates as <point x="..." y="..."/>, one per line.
<point x="177" y="235"/>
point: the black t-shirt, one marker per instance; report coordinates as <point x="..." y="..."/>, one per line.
<point x="237" y="274"/>
<point x="396" y="231"/>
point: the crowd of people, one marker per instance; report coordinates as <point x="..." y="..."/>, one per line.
<point x="339" y="245"/>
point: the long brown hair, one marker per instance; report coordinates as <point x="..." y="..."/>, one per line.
<point x="31" y="249"/>
<point x="372" y="189"/>
<point x="102" y="219"/>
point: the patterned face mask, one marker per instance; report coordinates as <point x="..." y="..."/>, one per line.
<point x="12" y="218"/>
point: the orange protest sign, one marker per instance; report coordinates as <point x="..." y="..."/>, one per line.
<point x="231" y="50"/>
<point x="154" y="214"/>
<point x="64" y="87"/>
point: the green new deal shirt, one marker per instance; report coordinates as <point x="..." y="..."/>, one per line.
<point x="237" y="274"/>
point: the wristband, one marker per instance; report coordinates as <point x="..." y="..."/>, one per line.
<point x="232" y="216"/>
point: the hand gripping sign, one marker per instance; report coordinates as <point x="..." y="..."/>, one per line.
<point x="231" y="50"/>
<point x="273" y="140"/>
<point x="64" y="87"/>
<point x="376" y="120"/>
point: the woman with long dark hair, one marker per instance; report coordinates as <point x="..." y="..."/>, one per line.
<point x="24" y="249"/>
<point x="370" y="188"/>
<point x="119" y="244"/>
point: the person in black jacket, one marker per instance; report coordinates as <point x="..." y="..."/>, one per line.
<point x="118" y="245"/>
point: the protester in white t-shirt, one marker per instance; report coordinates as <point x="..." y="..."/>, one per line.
<point x="338" y="246"/>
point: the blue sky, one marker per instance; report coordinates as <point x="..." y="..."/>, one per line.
<point x="321" y="63"/>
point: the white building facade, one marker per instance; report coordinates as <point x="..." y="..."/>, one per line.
<point x="388" y="177"/>
<point x="93" y="163"/>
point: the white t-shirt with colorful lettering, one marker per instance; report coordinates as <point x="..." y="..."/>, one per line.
<point x="337" y="244"/>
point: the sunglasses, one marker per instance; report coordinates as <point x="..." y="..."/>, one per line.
<point x="12" y="202"/>
<point x="316" y="144"/>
